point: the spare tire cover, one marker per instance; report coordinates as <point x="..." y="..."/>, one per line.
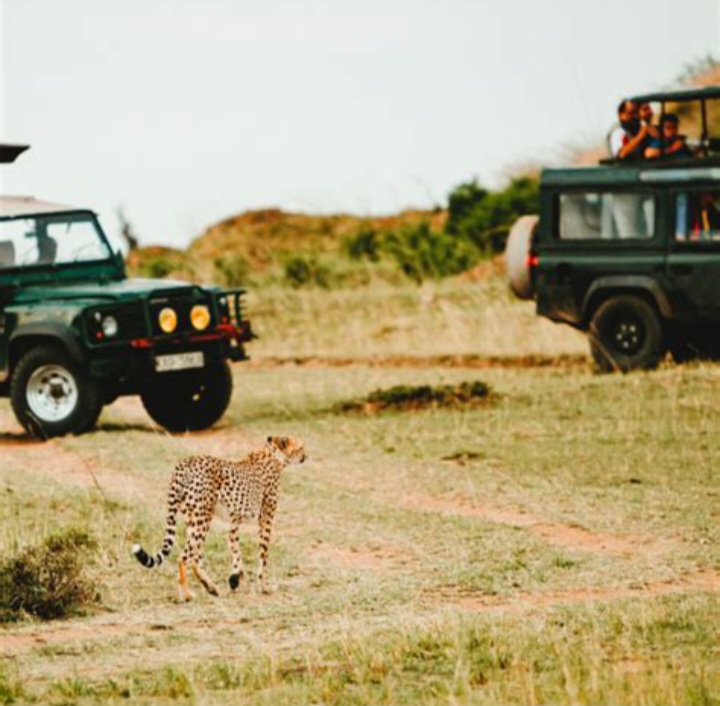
<point x="516" y="251"/>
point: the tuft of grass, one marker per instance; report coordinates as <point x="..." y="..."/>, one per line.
<point x="48" y="581"/>
<point x="411" y="397"/>
<point x="11" y="688"/>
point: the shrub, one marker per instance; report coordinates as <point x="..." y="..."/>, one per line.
<point x="234" y="269"/>
<point x="422" y="253"/>
<point x="159" y="265"/>
<point x="485" y="218"/>
<point x="364" y="245"/>
<point x="48" y="581"/>
<point x="407" y="397"/>
<point x="302" y="271"/>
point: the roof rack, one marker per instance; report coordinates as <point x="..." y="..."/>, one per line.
<point x="709" y="147"/>
<point x="9" y="153"/>
<point x="687" y="94"/>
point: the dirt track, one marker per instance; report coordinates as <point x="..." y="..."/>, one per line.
<point x="479" y="362"/>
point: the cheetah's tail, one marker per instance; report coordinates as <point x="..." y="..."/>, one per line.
<point x="152" y="561"/>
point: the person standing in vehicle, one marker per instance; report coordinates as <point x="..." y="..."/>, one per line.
<point x="628" y="140"/>
<point x="646" y="115"/>
<point x="670" y="143"/>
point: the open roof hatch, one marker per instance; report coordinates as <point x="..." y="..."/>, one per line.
<point x="9" y="153"/>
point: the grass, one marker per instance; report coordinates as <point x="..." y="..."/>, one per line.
<point x="444" y="318"/>
<point x="556" y="546"/>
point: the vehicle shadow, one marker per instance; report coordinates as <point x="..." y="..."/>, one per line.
<point x="18" y="438"/>
<point x="117" y="427"/>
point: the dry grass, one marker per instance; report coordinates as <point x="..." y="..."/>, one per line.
<point x="557" y="546"/>
<point x="448" y="318"/>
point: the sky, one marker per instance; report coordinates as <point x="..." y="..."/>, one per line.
<point x="183" y="112"/>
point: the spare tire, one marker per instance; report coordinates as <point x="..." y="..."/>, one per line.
<point x="517" y="250"/>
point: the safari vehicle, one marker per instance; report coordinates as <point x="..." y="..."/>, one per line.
<point x="76" y="333"/>
<point x="629" y="252"/>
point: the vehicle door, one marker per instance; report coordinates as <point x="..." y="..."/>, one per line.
<point x="16" y="247"/>
<point x="693" y="261"/>
<point x="597" y="233"/>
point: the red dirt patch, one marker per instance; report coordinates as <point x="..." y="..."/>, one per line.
<point x="563" y="535"/>
<point x="478" y="362"/>
<point x="707" y="581"/>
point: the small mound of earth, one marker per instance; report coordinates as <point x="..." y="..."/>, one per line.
<point x="405" y="398"/>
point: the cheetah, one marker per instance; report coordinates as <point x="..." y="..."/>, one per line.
<point x="247" y="488"/>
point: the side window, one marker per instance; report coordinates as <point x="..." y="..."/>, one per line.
<point x="606" y="216"/>
<point x="697" y="216"/>
<point x="77" y="241"/>
<point x="17" y="245"/>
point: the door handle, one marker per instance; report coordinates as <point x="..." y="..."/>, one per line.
<point x="681" y="269"/>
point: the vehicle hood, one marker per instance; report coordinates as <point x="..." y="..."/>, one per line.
<point x="110" y="291"/>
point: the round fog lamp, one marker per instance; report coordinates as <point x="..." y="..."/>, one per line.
<point x="167" y="318"/>
<point x="200" y="317"/>
<point x="109" y="326"/>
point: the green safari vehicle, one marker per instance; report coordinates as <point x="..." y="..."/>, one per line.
<point x="76" y="333"/>
<point x="629" y="251"/>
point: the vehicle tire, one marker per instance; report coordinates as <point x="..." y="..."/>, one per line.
<point x="92" y="418"/>
<point x="517" y="249"/>
<point x="51" y="395"/>
<point x="189" y="400"/>
<point x="694" y="342"/>
<point x="626" y="334"/>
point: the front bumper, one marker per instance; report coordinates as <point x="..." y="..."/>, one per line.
<point x="126" y="369"/>
<point x="127" y="364"/>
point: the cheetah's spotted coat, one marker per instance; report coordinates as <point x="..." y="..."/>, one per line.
<point x="248" y="488"/>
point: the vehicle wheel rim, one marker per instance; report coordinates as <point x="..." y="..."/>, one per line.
<point x="628" y="336"/>
<point x="52" y="393"/>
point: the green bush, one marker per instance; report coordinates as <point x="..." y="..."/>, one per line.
<point x="484" y="218"/>
<point x="422" y="253"/>
<point x="48" y="581"/>
<point x="366" y="244"/>
<point x="160" y="266"/>
<point x="307" y="270"/>
<point x="233" y="270"/>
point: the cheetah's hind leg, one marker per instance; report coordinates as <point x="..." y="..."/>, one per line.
<point x="238" y="572"/>
<point x="192" y="557"/>
<point x="204" y="579"/>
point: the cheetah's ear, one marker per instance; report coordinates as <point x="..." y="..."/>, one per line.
<point x="270" y="440"/>
<point x="283" y="442"/>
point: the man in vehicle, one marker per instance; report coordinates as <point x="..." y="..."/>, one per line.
<point x="629" y="139"/>
<point x="646" y="115"/>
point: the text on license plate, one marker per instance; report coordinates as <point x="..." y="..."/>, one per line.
<point x="179" y="361"/>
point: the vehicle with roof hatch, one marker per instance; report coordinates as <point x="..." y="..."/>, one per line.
<point x="76" y="333"/>
<point x="629" y="251"/>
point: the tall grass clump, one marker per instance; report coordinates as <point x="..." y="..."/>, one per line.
<point x="48" y="580"/>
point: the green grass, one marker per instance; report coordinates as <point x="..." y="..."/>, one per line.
<point x="544" y="548"/>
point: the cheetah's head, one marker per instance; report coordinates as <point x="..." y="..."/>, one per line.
<point x="288" y="449"/>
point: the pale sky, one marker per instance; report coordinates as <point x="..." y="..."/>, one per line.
<point x="186" y="112"/>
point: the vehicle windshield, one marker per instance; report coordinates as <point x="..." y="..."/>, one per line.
<point x="57" y="239"/>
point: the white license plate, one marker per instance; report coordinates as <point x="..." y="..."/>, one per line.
<point x="179" y="361"/>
